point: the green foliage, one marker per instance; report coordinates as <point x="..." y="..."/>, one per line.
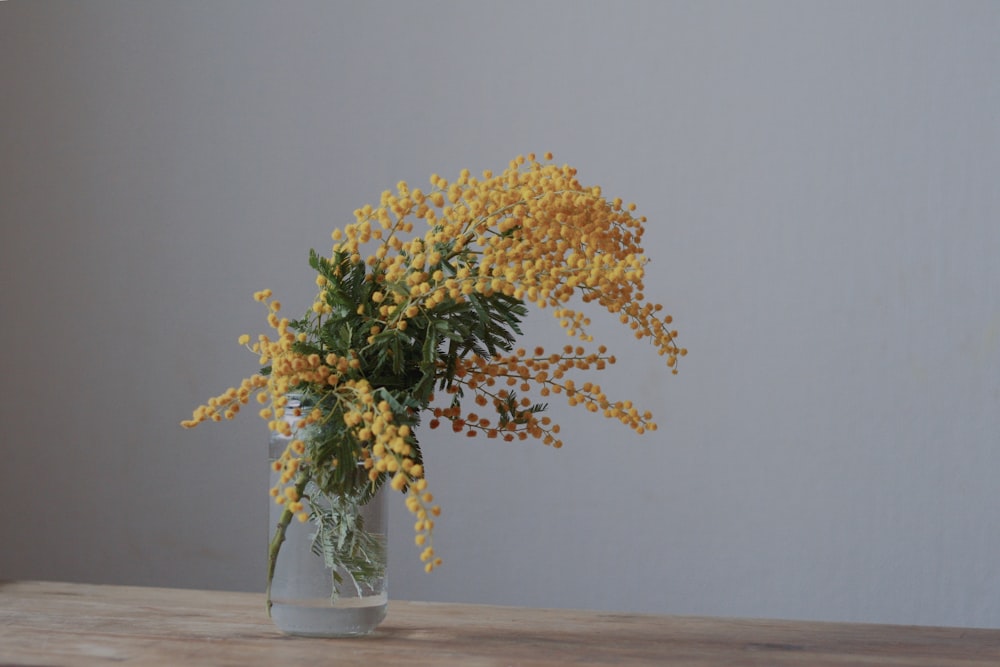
<point x="342" y="541"/>
<point x="404" y="365"/>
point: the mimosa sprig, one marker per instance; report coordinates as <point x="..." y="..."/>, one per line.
<point x="406" y="324"/>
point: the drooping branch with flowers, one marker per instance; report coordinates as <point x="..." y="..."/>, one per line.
<point x="402" y="318"/>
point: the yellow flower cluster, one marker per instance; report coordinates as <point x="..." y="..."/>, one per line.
<point x="532" y="233"/>
<point x="537" y="234"/>
<point x="494" y="381"/>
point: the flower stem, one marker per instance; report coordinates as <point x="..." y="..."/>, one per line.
<point x="279" y="536"/>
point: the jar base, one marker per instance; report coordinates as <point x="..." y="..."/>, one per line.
<point x="350" y="617"/>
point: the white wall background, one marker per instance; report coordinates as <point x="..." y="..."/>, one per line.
<point x="822" y="181"/>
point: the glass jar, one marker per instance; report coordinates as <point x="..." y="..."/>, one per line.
<point x="329" y="575"/>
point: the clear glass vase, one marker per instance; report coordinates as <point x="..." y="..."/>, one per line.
<point x="312" y="593"/>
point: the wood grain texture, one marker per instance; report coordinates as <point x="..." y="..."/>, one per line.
<point x="47" y="624"/>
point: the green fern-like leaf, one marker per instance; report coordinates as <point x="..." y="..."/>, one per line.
<point x="348" y="549"/>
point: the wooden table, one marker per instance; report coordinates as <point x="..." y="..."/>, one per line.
<point x="43" y="623"/>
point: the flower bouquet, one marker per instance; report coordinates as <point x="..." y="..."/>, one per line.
<point x="408" y="325"/>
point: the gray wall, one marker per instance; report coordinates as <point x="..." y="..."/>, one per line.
<point x="821" y="181"/>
